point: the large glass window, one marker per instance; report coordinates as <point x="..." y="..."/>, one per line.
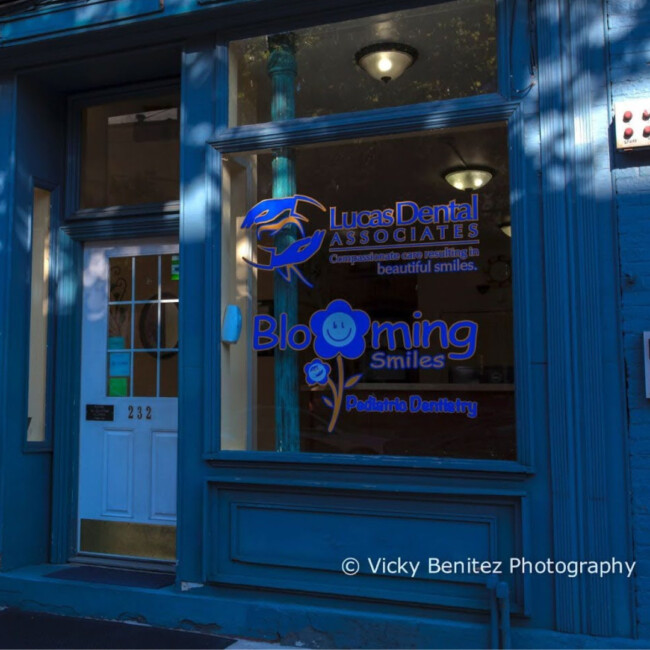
<point x="130" y="152"/>
<point x="451" y="49"/>
<point x="374" y="281"/>
<point x="39" y="314"/>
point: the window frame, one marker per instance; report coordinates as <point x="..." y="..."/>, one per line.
<point x="76" y="106"/>
<point x="508" y="106"/>
<point x="45" y="445"/>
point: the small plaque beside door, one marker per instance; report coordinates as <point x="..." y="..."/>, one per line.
<point x="100" y="412"/>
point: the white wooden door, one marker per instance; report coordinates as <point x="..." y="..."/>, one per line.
<point x="129" y="388"/>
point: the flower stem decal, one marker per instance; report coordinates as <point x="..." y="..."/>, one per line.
<point x="340" y="333"/>
<point x="338" y="391"/>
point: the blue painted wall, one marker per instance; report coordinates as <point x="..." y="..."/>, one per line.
<point x="628" y="31"/>
<point x="26" y="470"/>
<point x="578" y="46"/>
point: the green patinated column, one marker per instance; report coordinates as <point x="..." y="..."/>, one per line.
<point x="282" y="71"/>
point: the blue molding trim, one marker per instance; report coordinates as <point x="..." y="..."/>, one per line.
<point x="65" y="462"/>
<point x="585" y="362"/>
<point x="8" y="107"/>
<point x="197" y="224"/>
<point x="73" y="16"/>
<point x="528" y="289"/>
<point x="121" y="211"/>
<point x="389" y="487"/>
<point x="563" y="460"/>
<point x="345" y="462"/>
<point x="212" y="443"/>
<point x="212" y="317"/>
<point x="606" y="507"/>
<point x="425" y="116"/>
<point x="122" y="228"/>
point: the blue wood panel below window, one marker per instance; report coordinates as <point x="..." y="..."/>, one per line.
<point x="294" y="537"/>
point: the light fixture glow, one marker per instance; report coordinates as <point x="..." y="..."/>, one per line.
<point x="468" y="179"/>
<point x="386" y="61"/>
<point x="506" y="227"/>
<point x="384" y="64"/>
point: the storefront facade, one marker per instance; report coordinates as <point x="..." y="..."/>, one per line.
<point x="332" y="315"/>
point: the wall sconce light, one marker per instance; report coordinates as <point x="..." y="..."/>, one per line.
<point x="468" y="179"/>
<point x="386" y="61"/>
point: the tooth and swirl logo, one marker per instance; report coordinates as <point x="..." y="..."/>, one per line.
<point x="271" y="216"/>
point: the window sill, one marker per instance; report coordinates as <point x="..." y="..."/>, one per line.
<point x="143" y="209"/>
<point x="343" y="462"/>
<point x="435" y="388"/>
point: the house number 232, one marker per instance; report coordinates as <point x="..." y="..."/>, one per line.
<point x="139" y="413"/>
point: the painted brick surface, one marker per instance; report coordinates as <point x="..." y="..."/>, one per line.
<point x="628" y="24"/>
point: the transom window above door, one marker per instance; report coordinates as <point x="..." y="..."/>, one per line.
<point x="130" y="152"/>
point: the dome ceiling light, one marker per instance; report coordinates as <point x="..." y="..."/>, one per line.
<point x="468" y="179"/>
<point x="386" y="61"/>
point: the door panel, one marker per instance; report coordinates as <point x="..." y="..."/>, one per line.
<point x="117" y="473"/>
<point x="163" y="465"/>
<point x="128" y="445"/>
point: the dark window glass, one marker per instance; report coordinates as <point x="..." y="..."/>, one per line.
<point x="452" y="46"/>
<point x="144" y="374"/>
<point x="168" y="374"/>
<point x="142" y="343"/>
<point x="377" y="297"/>
<point x="130" y="152"/>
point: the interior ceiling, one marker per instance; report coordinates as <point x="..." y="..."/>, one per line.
<point x="374" y="173"/>
<point x="456" y="42"/>
<point x="450" y="56"/>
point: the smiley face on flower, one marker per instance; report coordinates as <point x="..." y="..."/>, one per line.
<point x="339" y="329"/>
<point x="317" y="372"/>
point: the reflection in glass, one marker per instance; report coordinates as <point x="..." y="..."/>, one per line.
<point x="146" y="329"/>
<point x="169" y="325"/>
<point x="119" y="327"/>
<point x="457" y="57"/>
<point x="169" y="375"/>
<point x="130" y="152"/>
<point x="146" y="277"/>
<point x="144" y="374"/>
<point x="120" y="279"/>
<point x="433" y="292"/>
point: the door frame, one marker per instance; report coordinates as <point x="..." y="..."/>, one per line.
<point x="127" y="247"/>
<point x="71" y="239"/>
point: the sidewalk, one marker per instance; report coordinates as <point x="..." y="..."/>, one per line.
<point x="19" y="629"/>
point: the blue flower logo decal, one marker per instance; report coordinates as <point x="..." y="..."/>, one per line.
<point x="339" y="329"/>
<point x="317" y="372"/>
